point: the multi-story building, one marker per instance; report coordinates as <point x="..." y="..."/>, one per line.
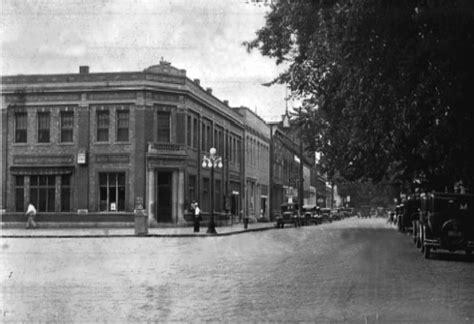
<point x="286" y="172"/>
<point x="95" y="146"/>
<point x="257" y="164"/>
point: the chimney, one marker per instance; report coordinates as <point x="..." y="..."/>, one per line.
<point x="209" y="90"/>
<point x="226" y="102"/>
<point x="83" y="69"/>
<point x="197" y="81"/>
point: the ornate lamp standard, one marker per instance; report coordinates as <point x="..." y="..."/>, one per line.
<point x="212" y="161"/>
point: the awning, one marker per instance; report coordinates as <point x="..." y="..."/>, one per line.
<point x="41" y="170"/>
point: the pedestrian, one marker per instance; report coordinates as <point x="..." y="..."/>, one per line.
<point x="197" y="217"/>
<point x="31" y="214"/>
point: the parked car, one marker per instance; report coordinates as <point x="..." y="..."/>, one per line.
<point x="288" y="215"/>
<point x="364" y="211"/>
<point x="325" y="215"/>
<point x="399" y="210"/>
<point x="335" y="215"/>
<point x="348" y="212"/>
<point x="311" y="214"/>
<point x="447" y="222"/>
<point x="408" y="214"/>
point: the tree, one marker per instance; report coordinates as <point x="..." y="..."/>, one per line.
<point x="385" y="84"/>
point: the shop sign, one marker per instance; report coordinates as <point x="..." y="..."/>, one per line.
<point x="81" y="157"/>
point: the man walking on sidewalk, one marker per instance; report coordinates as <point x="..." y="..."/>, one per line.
<point x="31" y="214"/>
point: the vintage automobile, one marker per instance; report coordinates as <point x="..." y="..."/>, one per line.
<point x="325" y="214"/>
<point x="335" y="214"/>
<point x="348" y="212"/>
<point x="288" y="215"/>
<point x="408" y="214"/>
<point x="364" y="211"/>
<point x="399" y="210"/>
<point x="447" y="222"/>
<point x="311" y="216"/>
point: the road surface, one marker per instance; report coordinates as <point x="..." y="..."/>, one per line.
<point x="354" y="270"/>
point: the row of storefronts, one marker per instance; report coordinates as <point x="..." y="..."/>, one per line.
<point x="85" y="145"/>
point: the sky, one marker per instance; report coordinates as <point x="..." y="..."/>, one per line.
<point x="204" y="37"/>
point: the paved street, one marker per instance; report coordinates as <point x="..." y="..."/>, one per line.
<point x="355" y="270"/>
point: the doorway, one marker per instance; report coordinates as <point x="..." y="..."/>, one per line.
<point x="164" y="190"/>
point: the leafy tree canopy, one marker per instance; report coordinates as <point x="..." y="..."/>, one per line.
<point x="385" y="84"/>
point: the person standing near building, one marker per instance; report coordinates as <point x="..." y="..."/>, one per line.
<point x="197" y="217"/>
<point x="31" y="214"/>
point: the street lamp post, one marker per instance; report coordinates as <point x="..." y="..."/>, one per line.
<point x="211" y="162"/>
<point x="300" y="174"/>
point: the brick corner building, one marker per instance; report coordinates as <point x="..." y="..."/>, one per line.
<point x="90" y="146"/>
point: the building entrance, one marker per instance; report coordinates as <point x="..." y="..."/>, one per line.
<point x="164" y="189"/>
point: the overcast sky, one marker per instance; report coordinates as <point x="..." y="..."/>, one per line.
<point x="203" y="37"/>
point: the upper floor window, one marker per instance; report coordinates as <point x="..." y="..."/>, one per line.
<point x="21" y="121"/>
<point x="122" y="125"/>
<point x="163" y="127"/>
<point x="189" y="130"/>
<point x="43" y="127"/>
<point x="67" y="126"/>
<point x="103" y="126"/>
<point x="195" y="133"/>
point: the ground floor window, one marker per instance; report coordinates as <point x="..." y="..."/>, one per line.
<point x="65" y="192"/>
<point x="205" y="196"/>
<point x="43" y="191"/>
<point x="192" y="188"/>
<point x="19" y="193"/>
<point x="218" y="196"/>
<point x="112" y="191"/>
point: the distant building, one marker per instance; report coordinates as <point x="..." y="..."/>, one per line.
<point x="257" y="164"/>
<point x="284" y="173"/>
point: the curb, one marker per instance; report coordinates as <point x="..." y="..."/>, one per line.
<point x="143" y="235"/>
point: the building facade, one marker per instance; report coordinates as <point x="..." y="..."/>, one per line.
<point x="100" y="145"/>
<point x="286" y="156"/>
<point x="257" y="164"/>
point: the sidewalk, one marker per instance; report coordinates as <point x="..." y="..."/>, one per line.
<point x="130" y="231"/>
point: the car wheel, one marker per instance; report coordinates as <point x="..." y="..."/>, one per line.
<point x="422" y="238"/>
<point x="414" y="233"/>
<point x="427" y="251"/>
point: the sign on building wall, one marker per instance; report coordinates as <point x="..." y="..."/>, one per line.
<point x="81" y="157"/>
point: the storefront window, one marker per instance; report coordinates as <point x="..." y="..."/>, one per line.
<point x="65" y="192"/>
<point x="42" y="192"/>
<point x="19" y="193"/>
<point x="112" y="191"/>
<point x="205" y="194"/>
<point x="217" y="196"/>
<point x="192" y="187"/>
